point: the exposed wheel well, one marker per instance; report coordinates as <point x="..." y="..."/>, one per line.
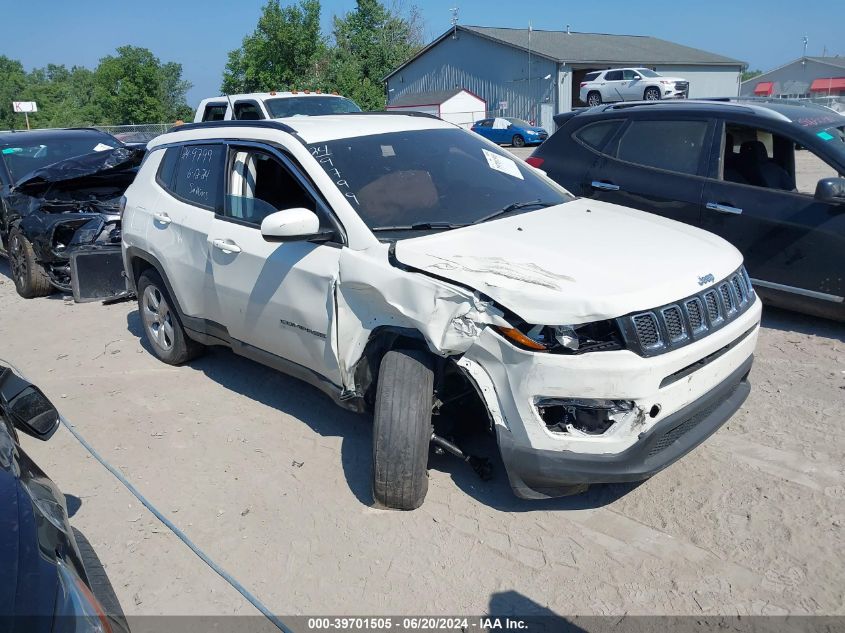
<point x="139" y="265"/>
<point x="452" y="385"/>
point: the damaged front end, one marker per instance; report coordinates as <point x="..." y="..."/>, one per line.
<point x="70" y="213"/>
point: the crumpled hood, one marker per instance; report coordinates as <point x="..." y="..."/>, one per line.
<point x="78" y="167"/>
<point x="574" y="263"/>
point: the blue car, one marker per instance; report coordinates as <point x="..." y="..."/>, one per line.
<point x="510" y="131"/>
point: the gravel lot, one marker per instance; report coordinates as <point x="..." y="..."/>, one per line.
<point x="272" y="481"/>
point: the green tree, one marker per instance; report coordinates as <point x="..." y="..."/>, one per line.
<point x="12" y="85"/>
<point x="285" y="51"/>
<point x="370" y="41"/>
<point x="134" y="87"/>
<point x="750" y="74"/>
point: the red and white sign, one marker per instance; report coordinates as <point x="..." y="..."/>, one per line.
<point x="24" y="106"/>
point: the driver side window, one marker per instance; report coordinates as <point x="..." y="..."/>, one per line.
<point x="258" y="185"/>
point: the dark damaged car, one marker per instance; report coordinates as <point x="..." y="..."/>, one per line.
<point x="51" y="580"/>
<point x="59" y="209"/>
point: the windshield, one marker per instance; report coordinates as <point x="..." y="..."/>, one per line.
<point x="310" y="106"/>
<point x="645" y="72"/>
<point x="23" y="157"/>
<point x="518" y="122"/>
<point x="431" y="176"/>
<point x="834" y="138"/>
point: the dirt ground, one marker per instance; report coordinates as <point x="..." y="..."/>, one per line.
<point x="272" y="481"/>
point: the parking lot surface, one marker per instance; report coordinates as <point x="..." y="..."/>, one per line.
<point x="273" y="481"/>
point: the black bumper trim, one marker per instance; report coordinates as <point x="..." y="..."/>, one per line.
<point x="544" y="473"/>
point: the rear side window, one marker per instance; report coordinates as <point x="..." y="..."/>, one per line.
<point x="198" y="175"/>
<point x="670" y="145"/>
<point x="167" y="167"/>
<point x="596" y="135"/>
<point x="591" y="76"/>
<point x="613" y="75"/>
<point x="248" y="111"/>
<point x="214" y="112"/>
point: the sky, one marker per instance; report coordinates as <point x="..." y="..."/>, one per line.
<point x="199" y="34"/>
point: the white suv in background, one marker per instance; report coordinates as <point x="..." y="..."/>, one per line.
<point x="411" y="268"/>
<point x="630" y="84"/>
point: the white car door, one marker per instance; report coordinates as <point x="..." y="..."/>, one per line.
<point x="274" y="297"/>
<point x="632" y="86"/>
<point x="612" y="89"/>
<point x="190" y="183"/>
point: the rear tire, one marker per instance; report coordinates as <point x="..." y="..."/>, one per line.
<point x="594" y="99"/>
<point x="161" y="323"/>
<point x="651" y="94"/>
<point x="518" y="141"/>
<point x="402" y="429"/>
<point x="30" y="278"/>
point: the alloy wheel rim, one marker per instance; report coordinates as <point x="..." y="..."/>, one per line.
<point x="593" y="100"/>
<point x="158" y="319"/>
<point x="651" y="95"/>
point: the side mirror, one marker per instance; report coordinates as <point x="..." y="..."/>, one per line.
<point x="291" y="225"/>
<point x="831" y="190"/>
<point x="23" y="404"/>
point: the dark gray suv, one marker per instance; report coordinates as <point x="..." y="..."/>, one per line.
<point x="767" y="175"/>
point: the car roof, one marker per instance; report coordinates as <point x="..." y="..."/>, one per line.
<point x="36" y="136"/>
<point x="327" y="127"/>
<point x="785" y="110"/>
<point x="273" y="95"/>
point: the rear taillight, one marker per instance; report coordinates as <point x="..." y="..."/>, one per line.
<point x="583" y="83"/>
<point x="535" y="161"/>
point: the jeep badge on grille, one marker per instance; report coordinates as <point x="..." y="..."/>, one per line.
<point x="706" y="279"/>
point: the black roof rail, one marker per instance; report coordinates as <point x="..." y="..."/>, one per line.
<point x="424" y="115"/>
<point x="265" y="123"/>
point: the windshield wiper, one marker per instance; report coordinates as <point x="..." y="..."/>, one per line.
<point x="514" y="206"/>
<point x="420" y="226"/>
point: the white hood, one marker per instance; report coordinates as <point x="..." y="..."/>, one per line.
<point x="577" y="262"/>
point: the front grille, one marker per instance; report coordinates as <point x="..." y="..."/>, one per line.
<point x="647" y="332"/>
<point x="674" y="323"/>
<point x="671" y="326"/>
<point x="695" y="313"/>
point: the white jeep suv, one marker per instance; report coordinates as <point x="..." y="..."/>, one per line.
<point x="402" y="265"/>
<point x="630" y="84"/>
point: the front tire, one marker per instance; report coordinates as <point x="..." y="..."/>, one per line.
<point x="518" y="140"/>
<point x="651" y="94"/>
<point x="30" y="278"/>
<point x="594" y="99"/>
<point x="162" y="326"/>
<point x="402" y="429"/>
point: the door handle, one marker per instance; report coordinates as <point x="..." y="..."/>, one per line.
<point x="604" y="186"/>
<point x="227" y="247"/>
<point x="162" y="217"/>
<point x="723" y="208"/>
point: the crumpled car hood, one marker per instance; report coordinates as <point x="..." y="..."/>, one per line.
<point x="79" y="167"/>
<point x="574" y="263"/>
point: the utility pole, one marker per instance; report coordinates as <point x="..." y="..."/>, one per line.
<point x="530" y="97"/>
<point x="454" y="22"/>
<point x="805" y="45"/>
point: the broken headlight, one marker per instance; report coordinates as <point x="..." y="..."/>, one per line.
<point x="565" y="339"/>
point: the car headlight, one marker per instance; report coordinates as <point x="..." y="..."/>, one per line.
<point x="77" y="610"/>
<point x="565" y="339"/>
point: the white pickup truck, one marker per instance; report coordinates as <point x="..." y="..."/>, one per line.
<point x="272" y="105"/>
